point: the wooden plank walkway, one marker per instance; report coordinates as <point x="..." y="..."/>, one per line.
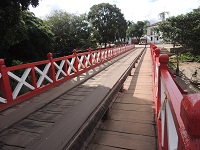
<point x="130" y="123"/>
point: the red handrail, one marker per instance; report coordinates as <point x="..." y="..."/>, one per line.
<point x="18" y="83"/>
<point x="177" y="116"/>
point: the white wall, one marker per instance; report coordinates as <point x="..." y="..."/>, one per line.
<point x="152" y="36"/>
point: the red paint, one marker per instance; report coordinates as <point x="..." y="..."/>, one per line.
<point x="185" y="111"/>
<point x="190" y="114"/>
<point x="5" y="88"/>
<point x="52" y="68"/>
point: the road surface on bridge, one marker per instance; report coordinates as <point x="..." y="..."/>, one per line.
<point x="51" y="119"/>
<point x="130" y="124"/>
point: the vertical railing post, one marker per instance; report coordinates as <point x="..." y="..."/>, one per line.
<point x="5" y="82"/>
<point x="33" y="77"/>
<point x="156" y="77"/>
<point x="111" y="52"/>
<point x="84" y="60"/>
<point x="52" y="68"/>
<point x="100" y="51"/>
<point x="66" y="67"/>
<point x="76" y="60"/>
<point x="106" y="53"/>
<point x="161" y="64"/>
<point x="90" y="51"/>
<point x="163" y="60"/>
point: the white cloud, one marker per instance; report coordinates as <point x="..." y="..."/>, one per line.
<point x="135" y="10"/>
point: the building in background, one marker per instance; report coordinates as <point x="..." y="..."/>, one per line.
<point x="152" y="35"/>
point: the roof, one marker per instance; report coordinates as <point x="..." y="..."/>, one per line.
<point x="155" y="24"/>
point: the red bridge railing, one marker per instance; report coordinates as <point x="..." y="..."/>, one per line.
<point x="18" y="83"/>
<point x="177" y="113"/>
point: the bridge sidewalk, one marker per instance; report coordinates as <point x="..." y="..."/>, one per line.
<point x="131" y="122"/>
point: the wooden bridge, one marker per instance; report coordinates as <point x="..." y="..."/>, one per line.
<point x="116" y="98"/>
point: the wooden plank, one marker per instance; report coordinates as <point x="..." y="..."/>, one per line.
<point x="132" y="116"/>
<point x="131" y="122"/>
<point x="129" y="127"/>
<point x="102" y="147"/>
<point x="126" y="141"/>
<point x="133" y="107"/>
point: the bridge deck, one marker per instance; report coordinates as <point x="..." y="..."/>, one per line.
<point x="52" y="119"/>
<point x="130" y="123"/>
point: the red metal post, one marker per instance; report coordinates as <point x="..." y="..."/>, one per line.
<point x="76" y="60"/>
<point x="66" y="68"/>
<point x="84" y="60"/>
<point x="5" y="82"/>
<point x="106" y="53"/>
<point x="161" y="65"/>
<point x="101" y="56"/>
<point x="157" y="77"/>
<point x="33" y="77"/>
<point x="52" y="68"/>
<point x="90" y="59"/>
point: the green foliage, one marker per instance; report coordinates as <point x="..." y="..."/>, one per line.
<point x="108" y="22"/>
<point x="183" y="29"/>
<point x="29" y="40"/>
<point x="189" y="57"/>
<point x="10" y="13"/>
<point x="23" y="36"/>
<point x="136" y="30"/>
<point x="70" y="31"/>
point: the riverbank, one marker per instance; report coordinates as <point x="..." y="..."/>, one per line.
<point x="189" y="76"/>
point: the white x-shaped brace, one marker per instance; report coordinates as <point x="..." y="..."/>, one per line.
<point x="103" y="55"/>
<point x="87" y="58"/>
<point x="106" y="55"/>
<point x="60" y="69"/>
<point x="21" y="81"/>
<point x="43" y="75"/>
<point x="71" y="66"/>
<point x="80" y="64"/>
<point x="3" y="100"/>
<point x="109" y="53"/>
<point x="95" y="60"/>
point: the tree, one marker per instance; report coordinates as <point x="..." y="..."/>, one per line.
<point x="71" y="31"/>
<point x="183" y="29"/>
<point x="10" y="12"/>
<point x="146" y="24"/>
<point x="29" y="40"/>
<point x="108" y="22"/>
<point x="136" y="30"/>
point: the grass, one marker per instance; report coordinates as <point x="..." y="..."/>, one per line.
<point x="185" y="57"/>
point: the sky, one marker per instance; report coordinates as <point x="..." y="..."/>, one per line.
<point x="133" y="10"/>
